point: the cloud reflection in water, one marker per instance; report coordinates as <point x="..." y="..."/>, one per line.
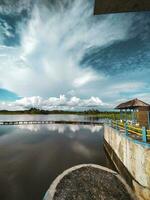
<point x="61" y="128"/>
<point x="32" y="156"/>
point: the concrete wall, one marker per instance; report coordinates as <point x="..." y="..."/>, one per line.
<point x="143" y="118"/>
<point x="135" y="159"/>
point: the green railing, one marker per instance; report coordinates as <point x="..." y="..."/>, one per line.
<point x="130" y="130"/>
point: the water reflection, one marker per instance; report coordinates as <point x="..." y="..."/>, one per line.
<point x="93" y="118"/>
<point x="54" y="117"/>
<point x="29" y="162"/>
<point x="60" y="128"/>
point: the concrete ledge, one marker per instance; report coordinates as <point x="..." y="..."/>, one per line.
<point x="132" y="160"/>
<point x="89" y="181"/>
<point x="118" y="164"/>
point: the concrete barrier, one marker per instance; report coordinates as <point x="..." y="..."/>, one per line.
<point x="89" y="181"/>
<point x="131" y="158"/>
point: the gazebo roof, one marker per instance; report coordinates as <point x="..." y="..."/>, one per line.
<point x="118" y="6"/>
<point x="132" y="104"/>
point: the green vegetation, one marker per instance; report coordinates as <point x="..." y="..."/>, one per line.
<point x="92" y="112"/>
<point x="114" y="115"/>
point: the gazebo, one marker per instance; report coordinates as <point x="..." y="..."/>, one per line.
<point x="139" y="109"/>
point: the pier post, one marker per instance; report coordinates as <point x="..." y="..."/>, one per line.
<point x="144" y="134"/>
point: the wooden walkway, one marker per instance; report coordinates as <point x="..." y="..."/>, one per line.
<point x="49" y="122"/>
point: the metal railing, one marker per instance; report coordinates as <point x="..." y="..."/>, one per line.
<point x="130" y="130"/>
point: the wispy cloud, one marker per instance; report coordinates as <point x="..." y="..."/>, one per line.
<point x="52" y="45"/>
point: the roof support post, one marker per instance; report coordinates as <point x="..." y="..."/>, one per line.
<point x="120" y="114"/>
<point x="126" y="114"/>
<point x="148" y="118"/>
<point x="133" y="116"/>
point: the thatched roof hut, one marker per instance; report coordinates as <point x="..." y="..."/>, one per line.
<point x="117" y="6"/>
<point x="133" y="104"/>
<point x="140" y="111"/>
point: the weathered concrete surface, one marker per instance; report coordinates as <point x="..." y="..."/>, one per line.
<point x="89" y="182"/>
<point x="134" y="157"/>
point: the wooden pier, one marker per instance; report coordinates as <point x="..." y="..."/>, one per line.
<point x="49" y="122"/>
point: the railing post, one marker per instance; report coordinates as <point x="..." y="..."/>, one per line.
<point x="117" y="128"/>
<point x="126" y="129"/>
<point x="144" y="134"/>
<point x="110" y="123"/>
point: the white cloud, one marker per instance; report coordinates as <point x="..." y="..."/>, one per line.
<point x="74" y="101"/>
<point x="143" y="96"/>
<point x="61" y="102"/>
<point x="128" y="86"/>
<point x="116" y="89"/>
<point x="93" y="101"/>
<point x="29" y="102"/>
<point x="52" y="45"/>
<point x="47" y="63"/>
<point x="86" y="78"/>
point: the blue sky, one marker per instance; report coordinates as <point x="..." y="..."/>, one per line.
<point x="60" y="56"/>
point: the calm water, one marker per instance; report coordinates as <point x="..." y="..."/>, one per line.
<point x="31" y="156"/>
<point x="49" y="117"/>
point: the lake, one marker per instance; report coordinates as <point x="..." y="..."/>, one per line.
<point x="51" y="117"/>
<point x="32" y="156"/>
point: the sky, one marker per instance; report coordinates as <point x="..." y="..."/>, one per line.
<point x="58" y="55"/>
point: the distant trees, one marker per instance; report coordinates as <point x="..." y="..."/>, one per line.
<point x="91" y="111"/>
<point x="94" y="112"/>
